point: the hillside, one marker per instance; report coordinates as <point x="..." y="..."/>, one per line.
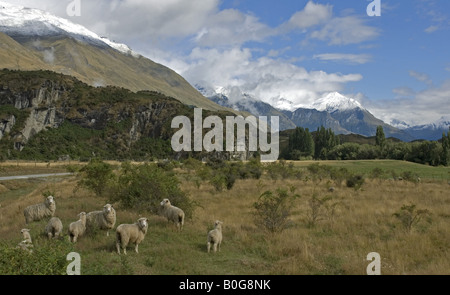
<point x="46" y="116"/>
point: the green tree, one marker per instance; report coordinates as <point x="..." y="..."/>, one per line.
<point x="324" y="141"/>
<point x="445" y="158"/>
<point x="301" y="144"/>
<point x="380" y="138"/>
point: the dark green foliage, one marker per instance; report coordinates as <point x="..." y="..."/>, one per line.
<point x="272" y="210"/>
<point x="324" y="140"/>
<point x="355" y="181"/>
<point x="143" y="187"/>
<point x="380" y="138"/>
<point x="48" y="258"/>
<point x="96" y="176"/>
<point x="301" y="145"/>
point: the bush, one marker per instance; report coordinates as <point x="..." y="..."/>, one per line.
<point x="96" y="176"/>
<point x="409" y="216"/>
<point x="144" y="187"/>
<point x="48" y="258"/>
<point x="355" y="181"/>
<point x="273" y="210"/>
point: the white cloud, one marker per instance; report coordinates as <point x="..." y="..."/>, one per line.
<point x="277" y="82"/>
<point x="419" y="108"/>
<point x="313" y="14"/>
<point x="343" y="57"/>
<point x="345" y="30"/>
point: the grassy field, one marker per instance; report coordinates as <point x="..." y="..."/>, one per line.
<point x="362" y="222"/>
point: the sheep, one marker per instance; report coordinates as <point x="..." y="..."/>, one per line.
<point x="215" y="237"/>
<point x="27" y="243"/>
<point x="77" y="228"/>
<point x="131" y="233"/>
<point x="104" y="220"/>
<point x="54" y="228"/>
<point x="172" y="213"/>
<point x="40" y="211"/>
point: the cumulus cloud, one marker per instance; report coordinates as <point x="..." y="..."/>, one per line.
<point x="313" y="14"/>
<point x="418" y="108"/>
<point x="274" y="81"/>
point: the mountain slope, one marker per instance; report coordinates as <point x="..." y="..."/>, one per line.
<point x="38" y="40"/>
<point x="431" y="131"/>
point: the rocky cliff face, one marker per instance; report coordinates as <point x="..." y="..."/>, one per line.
<point x="124" y="117"/>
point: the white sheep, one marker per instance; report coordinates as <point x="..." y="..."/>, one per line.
<point x="54" y="228"/>
<point x="131" y="233"/>
<point x="27" y="243"/>
<point x="40" y="211"/>
<point x="215" y="237"/>
<point x="77" y="228"/>
<point x="172" y="213"/>
<point x="104" y="220"/>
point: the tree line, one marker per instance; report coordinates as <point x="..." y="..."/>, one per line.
<point x="324" y="144"/>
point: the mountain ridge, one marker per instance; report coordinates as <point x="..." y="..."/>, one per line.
<point x="81" y="53"/>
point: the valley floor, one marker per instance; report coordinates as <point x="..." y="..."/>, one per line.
<point x="353" y="223"/>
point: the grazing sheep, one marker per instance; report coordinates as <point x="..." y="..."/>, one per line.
<point x="40" y="211"/>
<point x="54" y="228"/>
<point x="215" y="236"/>
<point x="104" y="220"/>
<point x="77" y="228"/>
<point x="131" y="233"/>
<point x="331" y="189"/>
<point x="27" y="243"/>
<point x="172" y="213"/>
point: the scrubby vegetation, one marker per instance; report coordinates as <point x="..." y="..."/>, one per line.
<point x="291" y="225"/>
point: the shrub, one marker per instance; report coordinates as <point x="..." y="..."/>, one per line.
<point x="48" y="258"/>
<point x="143" y="187"/>
<point x="409" y="216"/>
<point x="355" y="181"/>
<point x="273" y="210"/>
<point x="96" y="176"/>
<point x="320" y="209"/>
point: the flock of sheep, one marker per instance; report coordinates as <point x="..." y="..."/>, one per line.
<point x="105" y="219"/>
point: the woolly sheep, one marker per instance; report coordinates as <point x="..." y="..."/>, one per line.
<point x="104" y="220"/>
<point x="54" y="228"/>
<point x="131" y="233"/>
<point x="215" y="237"/>
<point x="172" y="213"/>
<point x="27" y="243"/>
<point x="77" y="228"/>
<point x="40" y="211"/>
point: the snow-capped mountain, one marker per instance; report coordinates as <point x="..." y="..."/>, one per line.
<point x="32" y="39"/>
<point x="432" y="131"/>
<point x="19" y="20"/>
<point x="336" y="102"/>
<point x="342" y="114"/>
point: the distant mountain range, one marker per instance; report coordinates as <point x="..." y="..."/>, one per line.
<point x="32" y="39"/>
<point x="342" y="114"/>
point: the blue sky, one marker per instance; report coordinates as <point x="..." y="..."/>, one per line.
<point x="291" y="53"/>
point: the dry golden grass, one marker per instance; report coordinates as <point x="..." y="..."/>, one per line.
<point x="363" y="223"/>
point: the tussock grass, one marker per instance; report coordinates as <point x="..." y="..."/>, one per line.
<point x="338" y="244"/>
